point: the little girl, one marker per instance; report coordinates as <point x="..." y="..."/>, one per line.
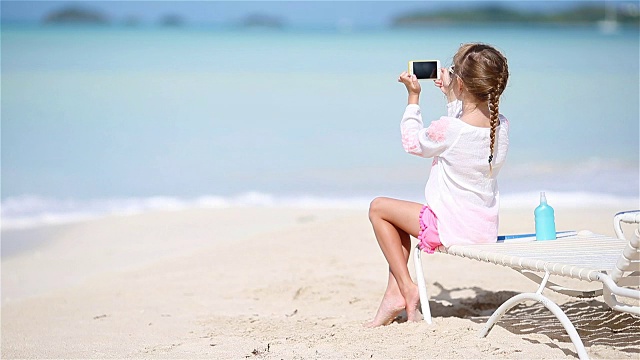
<point x="468" y="147"/>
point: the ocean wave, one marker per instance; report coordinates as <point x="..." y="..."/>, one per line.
<point x="33" y="211"/>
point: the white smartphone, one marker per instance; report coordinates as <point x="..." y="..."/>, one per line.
<point x="425" y="69"/>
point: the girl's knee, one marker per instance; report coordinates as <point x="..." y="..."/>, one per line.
<point x="376" y="207"/>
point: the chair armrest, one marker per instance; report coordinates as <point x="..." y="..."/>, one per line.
<point x="630" y="217"/>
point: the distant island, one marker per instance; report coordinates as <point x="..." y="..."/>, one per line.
<point x="262" y="21"/>
<point x="172" y="20"/>
<point x="609" y="14"/>
<point x="497" y="13"/>
<point x="75" y="15"/>
<point x="84" y="16"/>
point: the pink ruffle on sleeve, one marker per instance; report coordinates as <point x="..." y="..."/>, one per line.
<point x="438" y="129"/>
<point x="410" y="141"/>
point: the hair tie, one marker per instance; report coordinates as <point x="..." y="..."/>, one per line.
<point x="490" y="158"/>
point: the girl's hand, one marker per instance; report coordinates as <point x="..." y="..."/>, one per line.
<point x="444" y="83"/>
<point x="411" y="82"/>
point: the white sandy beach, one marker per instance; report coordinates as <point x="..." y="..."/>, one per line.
<point x="272" y="283"/>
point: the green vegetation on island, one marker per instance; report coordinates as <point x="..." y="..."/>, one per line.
<point x="602" y="13"/>
<point x="499" y="13"/>
<point x="262" y="21"/>
<point x="172" y="20"/>
<point x="75" y="15"/>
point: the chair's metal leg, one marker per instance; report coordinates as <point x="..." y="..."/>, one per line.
<point x="611" y="291"/>
<point x="555" y="309"/>
<point x="422" y="286"/>
<point x="559" y="288"/>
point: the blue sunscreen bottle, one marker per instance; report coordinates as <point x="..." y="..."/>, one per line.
<point x="545" y="220"/>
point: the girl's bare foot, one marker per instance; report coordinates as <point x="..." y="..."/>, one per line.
<point x="413" y="305"/>
<point x="390" y="307"/>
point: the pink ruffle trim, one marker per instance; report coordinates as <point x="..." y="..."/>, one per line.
<point x="410" y="141"/>
<point x="429" y="238"/>
<point x="438" y="129"/>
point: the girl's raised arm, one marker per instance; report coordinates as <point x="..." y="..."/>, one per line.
<point x="412" y="85"/>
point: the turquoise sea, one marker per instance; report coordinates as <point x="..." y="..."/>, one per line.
<point x="104" y="120"/>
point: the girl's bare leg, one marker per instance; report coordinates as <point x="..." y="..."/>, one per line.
<point x="393" y="221"/>
<point x="391" y="305"/>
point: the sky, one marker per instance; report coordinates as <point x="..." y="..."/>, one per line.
<point x="364" y="13"/>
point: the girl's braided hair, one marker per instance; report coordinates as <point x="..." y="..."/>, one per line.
<point x="484" y="72"/>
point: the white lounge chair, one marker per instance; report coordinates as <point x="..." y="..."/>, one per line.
<point x="615" y="263"/>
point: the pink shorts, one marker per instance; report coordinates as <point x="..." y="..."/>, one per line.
<point x="429" y="238"/>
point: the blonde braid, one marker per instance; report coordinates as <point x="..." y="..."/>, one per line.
<point x="493" y="118"/>
<point x="494" y="111"/>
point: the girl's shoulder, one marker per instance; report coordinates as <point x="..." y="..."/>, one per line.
<point x="504" y="122"/>
<point x="448" y="123"/>
<point x="455" y="122"/>
<point x="450" y="119"/>
<point x="466" y="127"/>
<point x="440" y="129"/>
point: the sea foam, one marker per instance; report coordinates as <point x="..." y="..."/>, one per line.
<point x="33" y="211"/>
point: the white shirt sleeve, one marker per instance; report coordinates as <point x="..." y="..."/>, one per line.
<point x="425" y="142"/>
